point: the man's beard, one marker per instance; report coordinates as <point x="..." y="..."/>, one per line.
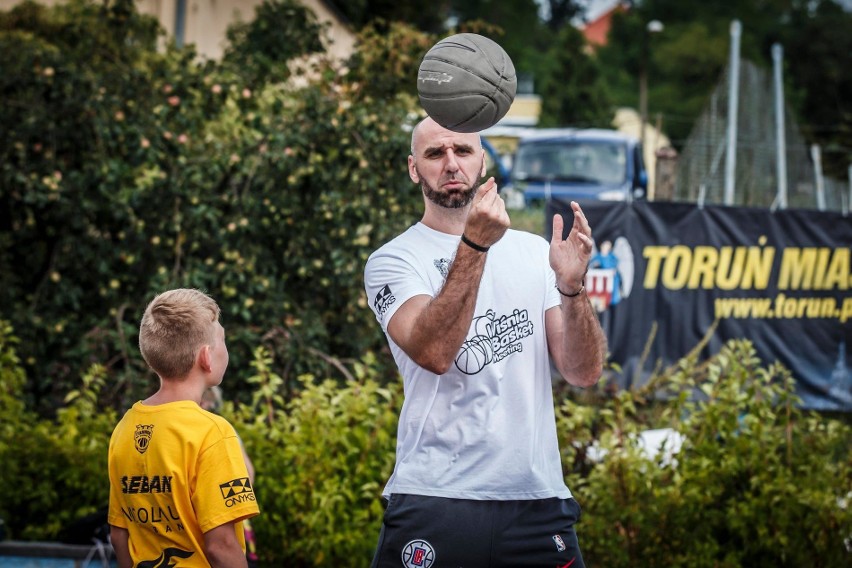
<point x="452" y="199"/>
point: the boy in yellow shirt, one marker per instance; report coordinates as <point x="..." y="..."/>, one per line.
<point x="179" y="488"/>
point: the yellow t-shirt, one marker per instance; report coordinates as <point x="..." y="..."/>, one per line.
<point x="175" y="472"/>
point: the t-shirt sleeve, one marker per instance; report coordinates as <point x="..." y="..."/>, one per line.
<point x="390" y="281"/>
<point x="223" y="492"/>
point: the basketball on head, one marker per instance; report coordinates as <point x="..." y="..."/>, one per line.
<point x="466" y="82"/>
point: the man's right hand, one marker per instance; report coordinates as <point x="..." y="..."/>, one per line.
<point x="487" y="219"/>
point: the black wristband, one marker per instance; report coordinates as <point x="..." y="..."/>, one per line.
<point x="473" y="245"/>
<point x="574" y="295"/>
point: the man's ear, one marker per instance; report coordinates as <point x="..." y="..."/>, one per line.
<point x="203" y="359"/>
<point x="412" y="171"/>
<point x="484" y="169"/>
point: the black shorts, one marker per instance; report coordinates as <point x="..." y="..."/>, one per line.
<point x="423" y="532"/>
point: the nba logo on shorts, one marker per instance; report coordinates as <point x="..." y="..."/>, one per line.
<point x="418" y="554"/>
<point x="560" y="544"/>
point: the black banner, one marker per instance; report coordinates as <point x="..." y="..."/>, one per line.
<point x="780" y="279"/>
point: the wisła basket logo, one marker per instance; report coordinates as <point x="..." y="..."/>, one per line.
<point x="418" y="554"/>
<point x="142" y="437"/>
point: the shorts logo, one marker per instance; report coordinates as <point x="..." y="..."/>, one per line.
<point x="383" y="300"/>
<point x="560" y="544"/>
<point x="142" y="436"/>
<point x="418" y="554"/>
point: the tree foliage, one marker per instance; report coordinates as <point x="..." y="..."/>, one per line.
<point x="127" y="170"/>
<point x="259" y="50"/>
<point x="686" y="61"/>
<point x="391" y="51"/>
<point x="572" y="88"/>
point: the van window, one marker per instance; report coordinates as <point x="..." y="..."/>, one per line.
<point x="595" y="162"/>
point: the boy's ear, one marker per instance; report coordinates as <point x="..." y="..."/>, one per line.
<point x="203" y="359"/>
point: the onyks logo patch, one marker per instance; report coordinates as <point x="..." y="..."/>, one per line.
<point x="384" y="299"/>
<point x="237" y="491"/>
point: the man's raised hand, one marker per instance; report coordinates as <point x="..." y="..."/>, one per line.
<point x="570" y="257"/>
<point x="487" y="219"/>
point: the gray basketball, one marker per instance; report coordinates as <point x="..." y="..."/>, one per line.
<point x="466" y="82"/>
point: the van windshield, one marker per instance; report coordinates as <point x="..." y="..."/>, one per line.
<point x="597" y="162"/>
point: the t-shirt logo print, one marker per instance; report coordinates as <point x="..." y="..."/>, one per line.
<point x="443" y="266"/>
<point x="493" y="340"/>
<point x="165" y="559"/>
<point x="236" y="487"/>
<point x="383" y="300"/>
<point x="142" y="436"/>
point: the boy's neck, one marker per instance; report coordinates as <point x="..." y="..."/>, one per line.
<point x="172" y="390"/>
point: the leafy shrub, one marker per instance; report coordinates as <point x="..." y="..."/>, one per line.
<point x="56" y="467"/>
<point x="757" y="482"/>
<point x="321" y="461"/>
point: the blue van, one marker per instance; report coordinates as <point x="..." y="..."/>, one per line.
<point x="570" y="163"/>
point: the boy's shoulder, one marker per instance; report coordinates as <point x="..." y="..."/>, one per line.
<point x="186" y="413"/>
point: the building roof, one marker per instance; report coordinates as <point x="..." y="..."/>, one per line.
<point x="596" y="29"/>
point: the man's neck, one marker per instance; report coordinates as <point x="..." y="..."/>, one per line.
<point x="445" y="220"/>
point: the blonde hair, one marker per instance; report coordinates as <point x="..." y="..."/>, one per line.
<point x="174" y="327"/>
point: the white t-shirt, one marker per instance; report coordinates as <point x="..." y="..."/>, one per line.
<point x="486" y="428"/>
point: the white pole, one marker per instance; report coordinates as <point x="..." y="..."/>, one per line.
<point x="780" y="139"/>
<point x="816" y="156"/>
<point x="733" y="103"/>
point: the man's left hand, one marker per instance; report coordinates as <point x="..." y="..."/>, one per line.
<point x="569" y="258"/>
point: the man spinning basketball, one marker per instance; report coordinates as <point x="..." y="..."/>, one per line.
<point x="473" y="312"/>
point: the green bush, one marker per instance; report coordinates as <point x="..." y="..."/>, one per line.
<point x="321" y="461"/>
<point x="56" y="467"/>
<point x="757" y="482"/>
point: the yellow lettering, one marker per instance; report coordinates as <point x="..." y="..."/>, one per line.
<point x="676" y="268"/>
<point x="837" y="275"/>
<point x="758" y="267"/>
<point x="797" y="269"/>
<point x="654" y="256"/>
<point x="819" y="270"/>
<point x="704" y="263"/>
<point x="730" y="270"/>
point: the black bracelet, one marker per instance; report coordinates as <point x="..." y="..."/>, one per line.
<point x="473" y="245"/>
<point x="574" y="295"/>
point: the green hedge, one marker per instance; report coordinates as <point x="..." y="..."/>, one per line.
<point x="756" y="483"/>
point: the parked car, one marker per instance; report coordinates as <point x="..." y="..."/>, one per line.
<point x="494" y="165"/>
<point x="569" y="163"/>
